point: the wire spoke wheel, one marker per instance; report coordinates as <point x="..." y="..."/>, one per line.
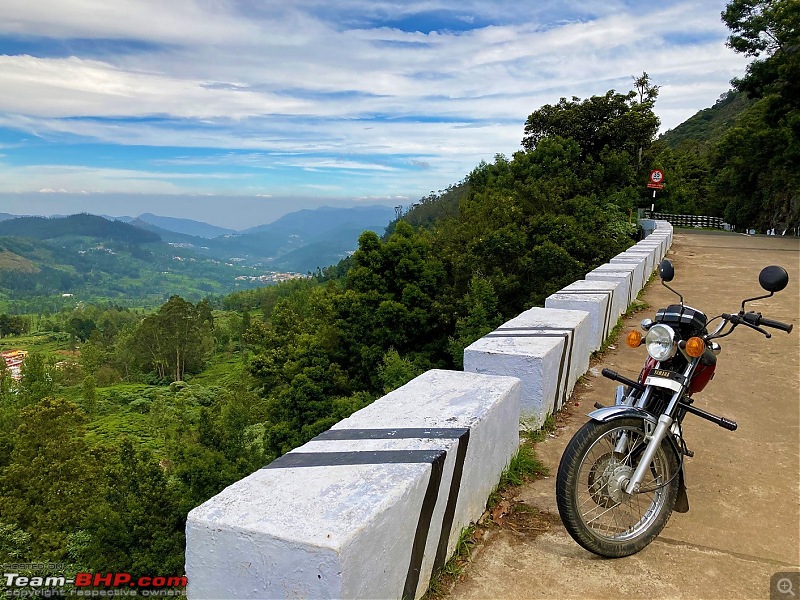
<point x="594" y="471"/>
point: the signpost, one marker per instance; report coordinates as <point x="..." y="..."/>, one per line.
<point x="656" y="181"/>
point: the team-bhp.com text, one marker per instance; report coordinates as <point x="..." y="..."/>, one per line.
<point x="54" y="585"/>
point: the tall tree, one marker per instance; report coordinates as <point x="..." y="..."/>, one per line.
<point x="615" y="122"/>
<point x="758" y="161"/>
<point x="49" y="454"/>
<point x="769" y="32"/>
<point x="175" y="340"/>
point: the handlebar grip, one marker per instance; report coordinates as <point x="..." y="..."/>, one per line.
<point x="609" y="374"/>
<point x="727" y="424"/>
<point x="787" y="327"/>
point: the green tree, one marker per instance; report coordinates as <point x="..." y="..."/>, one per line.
<point x="758" y="160"/>
<point x="614" y="122"/>
<point x="89" y="393"/>
<point x="36" y="378"/>
<point x="175" y="340"/>
<point x="52" y="478"/>
<point x="137" y="524"/>
<point x="769" y="32"/>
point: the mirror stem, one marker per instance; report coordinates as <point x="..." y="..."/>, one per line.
<point x="770" y="295"/>
<point x="671" y="290"/>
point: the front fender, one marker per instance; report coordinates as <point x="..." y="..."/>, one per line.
<point x="612" y="413"/>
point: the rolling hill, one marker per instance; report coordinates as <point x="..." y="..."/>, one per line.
<point x="300" y="241"/>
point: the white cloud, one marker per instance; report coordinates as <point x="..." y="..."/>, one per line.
<point x="337" y="86"/>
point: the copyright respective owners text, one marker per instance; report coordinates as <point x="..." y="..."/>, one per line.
<point x="784" y="585"/>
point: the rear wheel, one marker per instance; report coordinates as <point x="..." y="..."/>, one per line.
<point x="590" y="488"/>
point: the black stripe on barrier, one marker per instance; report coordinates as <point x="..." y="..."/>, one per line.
<point x="633" y="261"/>
<point x="296" y="460"/>
<point x="462" y="434"/>
<point x="566" y="353"/>
<point x="452" y="500"/>
<point x="650" y="263"/>
<point x="629" y="279"/>
<point x="609" y="302"/>
<point x="435" y="458"/>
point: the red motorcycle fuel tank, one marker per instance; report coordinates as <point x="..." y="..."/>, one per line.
<point x="702" y="375"/>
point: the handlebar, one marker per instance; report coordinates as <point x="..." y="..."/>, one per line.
<point x="787" y="327"/>
<point x="754" y="320"/>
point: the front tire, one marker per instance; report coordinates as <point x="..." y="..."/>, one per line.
<point x="593" y="505"/>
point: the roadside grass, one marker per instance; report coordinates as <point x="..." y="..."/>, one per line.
<point x="523" y="467"/>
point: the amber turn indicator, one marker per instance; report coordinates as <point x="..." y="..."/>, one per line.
<point x="695" y="347"/>
<point x="634" y="339"/>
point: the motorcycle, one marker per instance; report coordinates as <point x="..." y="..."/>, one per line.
<point x="622" y="473"/>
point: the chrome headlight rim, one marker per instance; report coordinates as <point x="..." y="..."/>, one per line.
<point x="660" y="342"/>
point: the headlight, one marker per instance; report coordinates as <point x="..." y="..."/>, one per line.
<point x="660" y="342"/>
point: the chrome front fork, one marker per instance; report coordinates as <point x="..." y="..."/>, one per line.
<point x="661" y="431"/>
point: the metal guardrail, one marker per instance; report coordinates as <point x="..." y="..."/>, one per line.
<point x="688" y="220"/>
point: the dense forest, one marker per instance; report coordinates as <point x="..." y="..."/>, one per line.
<point x="741" y="159"/>
<point x="123" y="419"/>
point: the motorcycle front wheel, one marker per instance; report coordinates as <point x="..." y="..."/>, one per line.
<point x="590" y="488"/>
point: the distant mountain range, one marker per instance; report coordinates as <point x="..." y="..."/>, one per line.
<point x="187" y="226"/>
<point x="299" y="241"/>
<point x="142" y="258"/>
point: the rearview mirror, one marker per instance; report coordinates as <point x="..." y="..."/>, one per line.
<point x="666" y="271"/>
<point x="773" y="278"/>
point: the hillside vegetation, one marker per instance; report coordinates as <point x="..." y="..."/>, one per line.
<point x="740" y="159"/>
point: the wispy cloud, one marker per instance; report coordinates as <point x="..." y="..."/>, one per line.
<point x="355" y="97"/>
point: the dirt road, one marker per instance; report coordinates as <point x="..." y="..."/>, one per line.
<point x="744" y="486"/>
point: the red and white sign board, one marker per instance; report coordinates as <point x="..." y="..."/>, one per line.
<point x="656" y="176"/>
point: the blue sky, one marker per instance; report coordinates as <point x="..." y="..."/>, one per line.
<point x="235" y="112"/>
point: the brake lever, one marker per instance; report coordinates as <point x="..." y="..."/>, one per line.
<point x="767" y="334"/>
<point x="745" y="321"/>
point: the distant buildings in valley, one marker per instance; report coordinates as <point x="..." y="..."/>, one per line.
<point x="14" y="360"/>
<point x="271" y="277"/>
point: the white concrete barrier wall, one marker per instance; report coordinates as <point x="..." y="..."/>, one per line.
<point x="367" y="509"/>
<point x="648" y="255"/>
<point x="371" y="507"/>
<point x="547" y="349"/>
<point x="600" y="299"/>
<point x="613" y="290"/>
<point x="659" y="245"/>
<point x="636" y="267"/>
<point x="596" y="303"/>
<point x="643" y="263"/>
<point x="622" y="276"/>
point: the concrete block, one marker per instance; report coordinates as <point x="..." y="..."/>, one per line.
<point x="659" y="244"/>
<point x="637" y="264"/>
<point x="547" y="349"/>
<point x="640" y="262"/>
<point x="613" y="289"/>
<point x="664" y="233"/>
<point x="597" y="304"/>
<point x="366" y="509"/>
<point x="622" y="275"/>
<point x="648" y="255"/>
